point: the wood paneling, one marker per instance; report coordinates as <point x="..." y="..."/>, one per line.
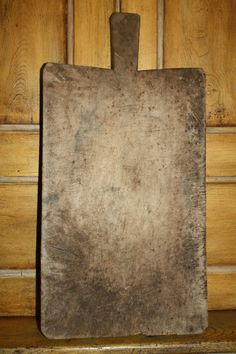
<point x="18" y="213"/>
<point x="18" y="203"/>
<point x="203" y="34"/>
<point x="221" y="223"/>
<point x="196" y="34"/>
<point x="92" y="26"/>
<point x="221" y="155"/>
<point x="91" y="32"/>
<point x="222" y="291"/>
<point x="31" y="33"/>
<point x="220" y="337"/>
<point x="19" y="153"/>
<point x="17" y="296"/>
<point x="148" y="30"/>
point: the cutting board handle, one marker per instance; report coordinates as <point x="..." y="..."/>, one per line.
<point x="124" y="42"/>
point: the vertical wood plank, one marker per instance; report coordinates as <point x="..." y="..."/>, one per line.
<point x="31" y="33"/>
<point x="203" y="34"/>
<point x="91" y="32"/>
<point x="148" y="30"/>
<point x="160" y="33"/>
<point x="70" y="31"/>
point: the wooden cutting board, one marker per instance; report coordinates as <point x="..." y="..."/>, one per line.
<point x="123" y="197"/>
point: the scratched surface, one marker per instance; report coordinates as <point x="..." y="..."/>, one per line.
<point x="123" y="203"/>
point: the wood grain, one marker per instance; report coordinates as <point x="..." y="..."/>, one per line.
<point x="222" y="291"/>
<point x="22" y="335"/>
<point x="18" y="212"/>
<point x="18" y="224"/>
<point x="221" y="223"/>
<point x="19" y="153"/>
<point x="221" y="155"/>
<point x="92" y="26"/>
<point x="17" y="294"/>
<point x="203" y="34"/>
<point x="102" y="186"/>
<point x="31" y="33"/>
<point x="196" y="34"/>
<point x="148" y="30"/>
<point x="70" y="31"/>
<point x="91" y="32"/>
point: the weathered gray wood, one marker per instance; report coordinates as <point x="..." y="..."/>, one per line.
<point x="123" y="210"/>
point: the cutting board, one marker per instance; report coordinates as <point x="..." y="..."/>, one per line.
<point x="123" y="197"/>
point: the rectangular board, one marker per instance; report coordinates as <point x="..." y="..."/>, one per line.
<point x="123" y="204"/>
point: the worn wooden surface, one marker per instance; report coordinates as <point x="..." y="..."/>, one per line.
<point x="91" y="15"/>
<point x="19" y="154"/>
<point x="31" y="33"/>
<point x="114" y="167"/>
<point x="92" y="46"/>
<point x="221" y="225"/>
<point x="18" y="203"/>
<point x="203" y="34"/>
<point x="18" y="291"/>
<point x="21" y="335"/>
